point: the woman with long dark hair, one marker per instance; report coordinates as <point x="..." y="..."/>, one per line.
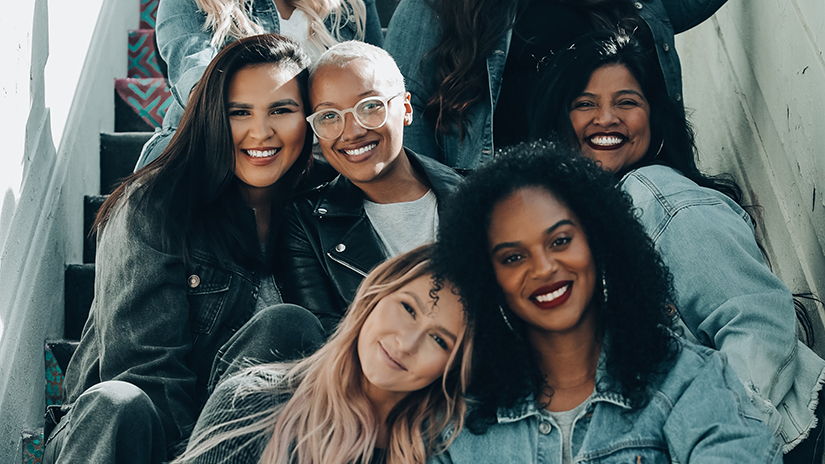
<point x="603" y="96"/>
<point x="184" y="260"/>
<point x="574" y="356"/>
<point x="471" y="65"/>
<point x="382" y="389"/>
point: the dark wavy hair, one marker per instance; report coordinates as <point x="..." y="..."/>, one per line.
<point x="470" y="30"/>
<point x="192" y="186"/>
<point x="635" y="319"/>
<point x="569" y="73"/>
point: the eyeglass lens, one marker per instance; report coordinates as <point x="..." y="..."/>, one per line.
<point x="370" y="113"/>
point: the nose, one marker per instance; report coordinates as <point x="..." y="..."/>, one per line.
<point x="261" y="128"/>
<point x="544" y="265"/>
<point x="352" y="130"/>
<point x="605" y="116"/>
<point x="408" y="340"/>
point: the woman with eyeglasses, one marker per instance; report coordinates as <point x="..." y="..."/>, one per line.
<point x="384" y="200"/>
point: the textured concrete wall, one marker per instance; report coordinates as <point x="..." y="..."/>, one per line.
<point x="60" y="59"/>
<point x="754" y="76"/>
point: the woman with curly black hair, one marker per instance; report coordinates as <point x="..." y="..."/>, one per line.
<point x="574" y="358"/>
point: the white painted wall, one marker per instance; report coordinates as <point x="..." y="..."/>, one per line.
<point x="754" y="75"/>
<point x="60" y="59"/>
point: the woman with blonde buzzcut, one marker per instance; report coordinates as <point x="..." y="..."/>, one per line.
<point x="383" y="389"/>
<point x="191" y="32"/>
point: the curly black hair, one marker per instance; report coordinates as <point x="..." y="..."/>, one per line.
<point x="635" y="318"/>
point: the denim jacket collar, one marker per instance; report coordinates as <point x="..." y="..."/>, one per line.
<point x="529" y="406"/>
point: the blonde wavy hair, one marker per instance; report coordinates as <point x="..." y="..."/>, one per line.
<point x="228" y="19"/>
<point x="329" y="418"/>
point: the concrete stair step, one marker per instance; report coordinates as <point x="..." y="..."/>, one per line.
<point x="79" y="293"/>
<point x="91" y="205"/>
<point x="144" y="60"/>
<point x="145" y="98"/>
<point x="148" y="13"/>
<point x="33" y="446"/>
<point x="119" y="152"/>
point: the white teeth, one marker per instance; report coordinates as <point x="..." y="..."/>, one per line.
<point x="552" y="295"/>
<point x="261" y="153"/>
<point x="606" y="140"/>
<point x="360" y="151"/>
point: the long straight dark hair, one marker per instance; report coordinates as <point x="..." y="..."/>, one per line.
<point x="470" y="30"/>
<point x="192" y="185"/>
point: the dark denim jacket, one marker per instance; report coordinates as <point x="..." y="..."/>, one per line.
<point x="155" y="322"/>
<point x="414" y="30"/>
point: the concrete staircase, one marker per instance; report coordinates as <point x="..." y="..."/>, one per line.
<point x="141" y="99"/>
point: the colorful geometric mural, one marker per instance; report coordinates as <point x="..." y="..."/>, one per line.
<point x="149" y="98"/>
<point x="148" y="13"/>
<point x="143" y="62"/>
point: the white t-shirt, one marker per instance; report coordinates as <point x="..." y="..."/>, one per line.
<point x="404" y="226"/>
<point x="297" y="29"/>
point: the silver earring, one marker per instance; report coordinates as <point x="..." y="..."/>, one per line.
<point x="604" y="290"/>
<point x="506" y="319"/>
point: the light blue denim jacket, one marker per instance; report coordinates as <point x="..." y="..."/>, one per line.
<point x="727" y="297"/>
<point x="185" y="46"/>
<point x="414" y="30"/>
<point x="698" y="413"/>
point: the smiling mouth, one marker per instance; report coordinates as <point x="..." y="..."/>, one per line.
<point x="391" y="359"/>
<point x="360" y="151"/>
<point x="551" y="296"/>
<point x="262" y="153"/>
<point x="610" y="141"/>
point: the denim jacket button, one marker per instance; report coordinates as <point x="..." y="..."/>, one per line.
<point x="340" y="248"/>
<point x="322" y="211"/>
<point x="638" y="5"/>
<point x="545" y="427"/>
<point x="666" y="47"/>
<point x="193" y="281"/>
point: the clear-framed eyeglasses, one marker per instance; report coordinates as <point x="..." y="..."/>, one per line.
<point x="370" y="113"/>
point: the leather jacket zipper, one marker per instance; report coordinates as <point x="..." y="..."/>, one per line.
<point x="346" y="265"/>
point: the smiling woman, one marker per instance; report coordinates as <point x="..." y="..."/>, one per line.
<point x="606" y="97"/>
<point x="383" y="389"/>
<point x="184" y="259"/>
<point x="574" y="357"/>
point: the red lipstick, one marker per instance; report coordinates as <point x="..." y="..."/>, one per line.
<point x="560" y="291"/>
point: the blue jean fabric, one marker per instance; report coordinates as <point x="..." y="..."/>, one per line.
<point x="186" y="48"/>
<point x="728" y="298"/>
<point x="414" y="30"/>
<point x="698" y="413"/>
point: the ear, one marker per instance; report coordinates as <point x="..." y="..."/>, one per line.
<point x="408" y="109"/>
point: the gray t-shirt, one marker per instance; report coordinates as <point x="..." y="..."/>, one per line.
<point x="564" y="419"/>
<point x="404" y="226"/>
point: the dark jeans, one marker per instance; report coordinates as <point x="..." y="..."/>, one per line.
<point x="116" y="422"/>
<point x="810" y="450"/>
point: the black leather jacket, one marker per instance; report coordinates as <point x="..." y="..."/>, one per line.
<point x="328" y="245"/>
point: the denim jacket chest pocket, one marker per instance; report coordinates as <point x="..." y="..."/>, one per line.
<point x="208" y="289"/>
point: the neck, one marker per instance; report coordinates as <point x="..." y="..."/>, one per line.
<point x="382" y="402"/>
<point x="399" y="184"/>
<point x="260" y="200"/>
<point x="568" y="362"/>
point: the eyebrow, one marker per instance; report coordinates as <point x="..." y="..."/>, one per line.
<point x="361" y="96"/>
<point x="446" y="332"/>
<point x="518" y="243"/>
<point x="275" y="104"/>
<point x="620" y="92"/>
